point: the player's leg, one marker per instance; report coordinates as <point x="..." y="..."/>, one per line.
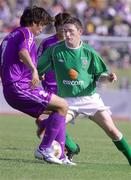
<point x="70" y="144"/>
<point x="59" y="107"/>
<point x="104" y="120"/>
<point x="55" y="129"/>
<point x="65" y="160"/>
<point x="41" y="126"/>
<point x="71" y="147"/>
<point x="41" y="121"/>
<point x="55" y="122"/>
<point x="34" y="102"/>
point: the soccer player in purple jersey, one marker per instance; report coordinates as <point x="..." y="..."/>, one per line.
<point x="20" y="80"/>
<point x="49" y="81"/>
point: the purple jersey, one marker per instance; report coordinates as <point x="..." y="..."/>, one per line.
<point x="49" y="81"/>
<point x="16" y="76"/>
<point x="12" y="68"/>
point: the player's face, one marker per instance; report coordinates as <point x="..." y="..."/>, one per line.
<point x="37" y="28"/>
<point x="72" y="35"/>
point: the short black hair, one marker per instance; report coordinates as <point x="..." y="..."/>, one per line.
<point x="35" y="14"/>
<point x="75" y="21"/>
<point x="59" y="18"/>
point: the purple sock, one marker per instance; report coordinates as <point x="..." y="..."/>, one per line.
<point x="61" y="139"/>
<point x="55" y="120"/>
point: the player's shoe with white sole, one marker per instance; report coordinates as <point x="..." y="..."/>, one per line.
<point x="47" y="155"/>
<point x="66" y="161"/>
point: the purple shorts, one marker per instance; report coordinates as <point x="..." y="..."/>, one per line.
<point x="21" y="97"/>
<point x="50" y="88"/>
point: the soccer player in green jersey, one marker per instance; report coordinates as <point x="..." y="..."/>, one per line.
<point x="77" y="68"/>
<point x="49" y="83"/>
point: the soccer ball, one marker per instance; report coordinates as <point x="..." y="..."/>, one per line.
<point x="56" y="149"/>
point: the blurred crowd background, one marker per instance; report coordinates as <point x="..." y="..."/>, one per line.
<point x="102" y="18"/>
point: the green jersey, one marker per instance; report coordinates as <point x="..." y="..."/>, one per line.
<point x="76" y="69"/>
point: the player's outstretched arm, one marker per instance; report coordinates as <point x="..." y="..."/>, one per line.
<point x="111" y="77"/>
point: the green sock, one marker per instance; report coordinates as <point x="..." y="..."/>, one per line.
<point x="124" y="147"/>
<point x="70" y="144"/>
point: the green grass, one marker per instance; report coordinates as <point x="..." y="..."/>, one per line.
<point x="98" y="160"/>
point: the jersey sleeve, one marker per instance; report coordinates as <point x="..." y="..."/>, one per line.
<point x="99" y="65"/>
<point x="45" y="62"/>
<point x="25" y="40"/>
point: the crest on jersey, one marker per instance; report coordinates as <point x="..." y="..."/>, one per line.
<point x="84" y="62"/>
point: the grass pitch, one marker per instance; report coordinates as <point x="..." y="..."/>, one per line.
<point x="98" y="159"/>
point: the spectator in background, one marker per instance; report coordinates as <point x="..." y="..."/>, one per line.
<point x="5" y="16"/>
<point x="66" y="4"/>
<point x="46" y="4"/>
<point x="100" y="14"/>
<point x="56" y="8"/>
<point x="80" y="6"/>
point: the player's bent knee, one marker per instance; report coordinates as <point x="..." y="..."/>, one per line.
<point x="58" y="104"/>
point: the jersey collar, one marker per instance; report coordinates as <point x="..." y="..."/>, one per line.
<point x="76" y="47"/>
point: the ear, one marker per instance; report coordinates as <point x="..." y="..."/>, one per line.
<point x="81" y="31"/>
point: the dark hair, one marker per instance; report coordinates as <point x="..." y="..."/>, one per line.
<point x="59" y="18"/>
<point x="35" y="14"/>
<point x="75" y="21"/>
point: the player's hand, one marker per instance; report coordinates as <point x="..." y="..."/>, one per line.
<point x="112" y="77"/>
<point x="35" y="79"/>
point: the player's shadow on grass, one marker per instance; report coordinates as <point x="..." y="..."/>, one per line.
<point x="15" y="149"/>
<point x="87" y="164"/>
<point x="35" y="161"/>
<point x="24" y="160"/>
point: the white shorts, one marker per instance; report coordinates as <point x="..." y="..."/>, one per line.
<point x="87" y="105"/>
